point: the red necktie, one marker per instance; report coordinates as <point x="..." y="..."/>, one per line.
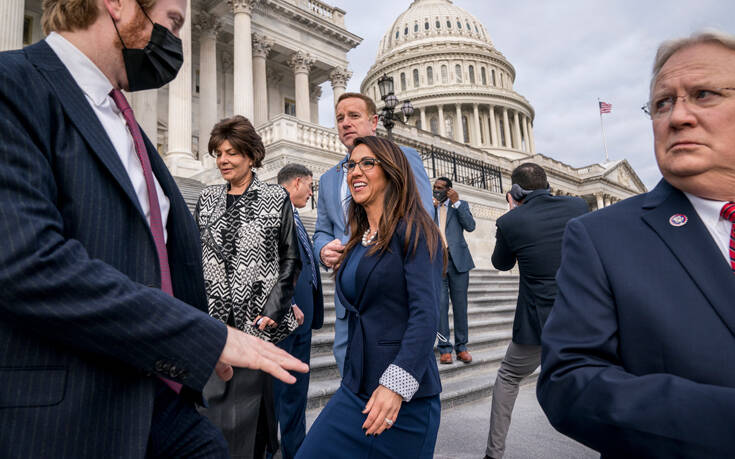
<point x="155" y="210"/>
<point x="728" y="213"/>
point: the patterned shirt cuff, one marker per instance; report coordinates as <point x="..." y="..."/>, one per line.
<point x="457" y="204"/>
<point x="399" y="381"/>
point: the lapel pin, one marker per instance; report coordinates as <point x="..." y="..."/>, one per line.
<point x="678" y="220"/>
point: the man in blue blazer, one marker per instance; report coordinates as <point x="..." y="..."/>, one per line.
<point x="453" y="217"/>
<point x="356" y="116"/>
<point x="308" y="305"/>
<point x="638" y="354"/>
<point x="97" y="359"/>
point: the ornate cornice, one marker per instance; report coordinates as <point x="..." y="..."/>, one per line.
<point x="339" y="77"/>
<point x="301" y="62"/>
<point x="261" y="45"/>
<point x="207" y="25"/>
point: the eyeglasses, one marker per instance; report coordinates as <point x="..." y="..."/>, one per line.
<point x="661" y="107"/>
<point x="365" y="164"/>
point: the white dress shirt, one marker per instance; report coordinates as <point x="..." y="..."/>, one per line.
<point x="718" y="227"/>
<point x="96" y="88"/>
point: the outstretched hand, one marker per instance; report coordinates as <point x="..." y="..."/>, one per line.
<point x="246" y="351"/>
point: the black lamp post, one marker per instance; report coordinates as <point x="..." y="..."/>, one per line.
<point x="388" y="115"/>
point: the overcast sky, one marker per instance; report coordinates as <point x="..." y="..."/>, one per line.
<point x="566" y="53"/>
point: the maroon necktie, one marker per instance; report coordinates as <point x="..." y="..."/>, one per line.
<point x="728" y="213"/>
<point x="155" y="210"/>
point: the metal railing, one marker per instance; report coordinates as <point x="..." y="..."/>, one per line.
<point x="467" y="171"/>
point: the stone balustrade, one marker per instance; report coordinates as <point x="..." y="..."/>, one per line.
<point x="289" y="129"/>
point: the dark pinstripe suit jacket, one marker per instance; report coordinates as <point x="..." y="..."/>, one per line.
<point x="83" y="325"/>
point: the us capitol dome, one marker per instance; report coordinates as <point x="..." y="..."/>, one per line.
<point x="442" y="59"/>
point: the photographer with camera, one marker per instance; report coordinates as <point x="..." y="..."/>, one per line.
<point x="531" y="233"/>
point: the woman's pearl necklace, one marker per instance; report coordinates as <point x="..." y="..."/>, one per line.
<point x="365" y="241"/>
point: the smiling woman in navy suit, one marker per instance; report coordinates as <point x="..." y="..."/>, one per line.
<point x="389" y="281"/>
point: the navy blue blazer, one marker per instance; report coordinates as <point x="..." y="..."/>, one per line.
<point x="309" y="299"/>
<point x="84" y="324"/>
<point x="638" y="354"/>
<point x="458" y="221"/>
<point x="531" y="234"/>
<point x="395" y="317"/>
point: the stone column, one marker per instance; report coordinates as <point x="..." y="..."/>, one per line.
<point x="179" y="159"/>
<point x="524" y="125"/>
<point x="145" y="106"/>
<point x="339" y="78"/>
<point x="243" y="49"/>
<point x="600" y="202"/>
<point x="275" y="101"/>
<point x="11" y="24"/>
<point x="506" y="129"/>
<point x="208" y="26"/>
<point x="516" y="131"/>
<point x="532" y="144"/>
<point x="606" y="199"/>
<point x="314" y="95"/>
<point x="442" y="128"/>
<point x="228" y="101"/>
<point x="458" y="131"/>
<point x="476" y="125"/>
<point x="261" y="48"/>
<point x="301" y="63"/>
<point x="422" y="111"/>
<point x="493" y="128"/>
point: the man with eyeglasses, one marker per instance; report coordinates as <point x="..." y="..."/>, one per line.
<point x="639" y="350"/>
<point x="356" y="116"/>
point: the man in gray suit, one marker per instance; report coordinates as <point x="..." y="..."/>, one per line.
<point x="454" y="218"/>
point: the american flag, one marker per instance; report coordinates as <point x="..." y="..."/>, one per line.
<point x="605" y="107"/>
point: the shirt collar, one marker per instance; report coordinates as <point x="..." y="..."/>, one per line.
<point x="86" y="74"/>
<point x="708" y="210"/>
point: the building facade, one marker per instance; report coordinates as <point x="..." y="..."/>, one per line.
<point x="269" y="59"/>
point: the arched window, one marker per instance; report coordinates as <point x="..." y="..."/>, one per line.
<point x="458" y="73"/>
<point x="472" y="74"/>
<point x="468" y="26"/>
<point x="398" y="34"/>
<point x="403" y="82"/>
<point x="415" y="28"/>
<point x="438" y="24"/>
<point x="449" y="24"/>
<point x="483" y="76"/>
<point x="445" y="77"/>
<point x="405" y="31"/>
<point x="502" y="84"/>
<point x="426" y="25"/>
<point x="459" y="24"/>
<point x="434" y="125"/>
<point x="429" y="76"/>
<point x="492" y="72"/>
<point x="465" y="130"/>
<point x="415" y="78"/>
<point x="449" y="127"/>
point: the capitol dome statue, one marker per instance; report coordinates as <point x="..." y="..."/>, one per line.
<point x="441" y="58"/>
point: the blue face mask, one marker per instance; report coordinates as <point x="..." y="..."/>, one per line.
<point x="155" y="65"/>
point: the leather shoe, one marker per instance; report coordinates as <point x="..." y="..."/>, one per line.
<point x="445" y="358"/>
<point x="464" y="356"/>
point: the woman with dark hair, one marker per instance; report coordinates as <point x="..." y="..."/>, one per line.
<point x="251" y="262"/>
<point x="389" y="280"/>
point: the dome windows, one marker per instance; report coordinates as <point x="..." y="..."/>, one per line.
<point x="483" y="76"/>
<point x="426" y="25"/>
<point x="415" y="28"/>
<point x="445" y="76"/>
<point x="415" y="78"/>
<point x="429" y="75"/>
<point x="403" y="82"/>
<point x="398" y="34"/>
<point x="459" y="25"/>
<point x="405" y="31"/>
<point x="472" y="74"/>
<point x="438" y="24"/>
<point x="458" y="73"/>
<point x="449" y="24"/>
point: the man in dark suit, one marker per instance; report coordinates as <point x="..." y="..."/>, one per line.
<point x="530" y="234"/>
<point x="453" y="217"/>
<point x="638" y="354"/>
<point x="308" y="305"/>
<point x="106" y="343"/>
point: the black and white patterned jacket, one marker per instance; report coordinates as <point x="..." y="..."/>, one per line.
<point x="250" y="256"/>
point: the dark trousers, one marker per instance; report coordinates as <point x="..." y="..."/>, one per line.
<point x="178" y="430"/>
<point x="454" y="285"/>
<point x="290" y="399"/>
<point x="337" y="432"/>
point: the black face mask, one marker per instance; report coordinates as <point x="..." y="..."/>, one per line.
<point x="440" y="195"/>
<point x="156" y="64"/>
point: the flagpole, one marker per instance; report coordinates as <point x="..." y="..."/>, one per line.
<point x="602" y="129"/>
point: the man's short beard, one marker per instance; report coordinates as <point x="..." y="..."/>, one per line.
<point x="134" y="34"/>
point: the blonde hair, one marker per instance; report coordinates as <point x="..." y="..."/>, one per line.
<point x="69" y="15"/>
